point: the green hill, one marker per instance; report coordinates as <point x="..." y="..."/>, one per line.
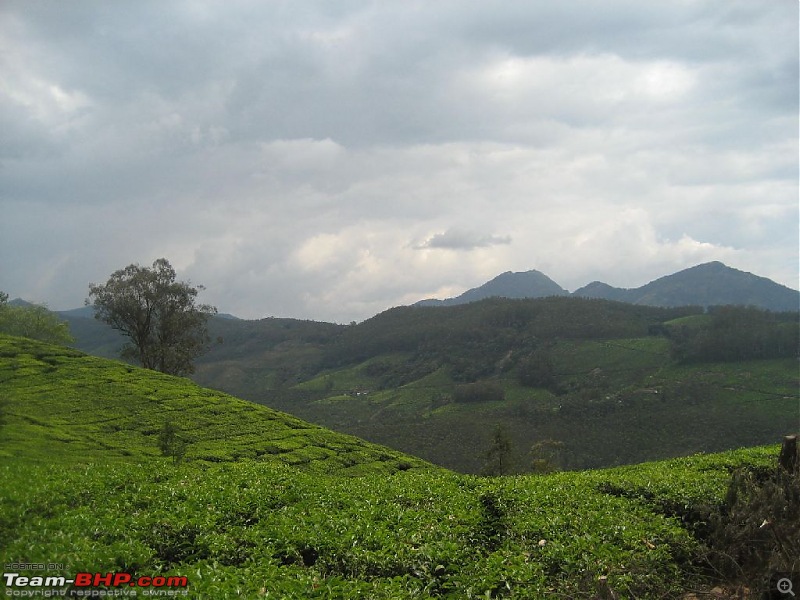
<point x="254" y="529"/>
<point x="60" y="403"/>
<point x="265" y="505"/>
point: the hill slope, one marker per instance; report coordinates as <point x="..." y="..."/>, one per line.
<point x="61" y="403"/>
<point x="256" y="530"/>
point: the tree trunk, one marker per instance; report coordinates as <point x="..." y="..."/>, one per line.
<point x="788" y="456"/>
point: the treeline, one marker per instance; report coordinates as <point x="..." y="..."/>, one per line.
<point x="734" y="333"/>
<point x="474" y="340"/>
<point x="498" y="336"/>
<point x="497" y="323"/>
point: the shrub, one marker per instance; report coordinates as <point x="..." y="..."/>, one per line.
<point x="757" y="531"/>
<point x="170" y="443"/>
<point x="480" y="391"/>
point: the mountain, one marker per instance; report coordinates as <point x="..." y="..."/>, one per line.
<point x="598" y="289"/>
<point x="228" y="316"/>
<point x="20" y="302"/>
<point x="527" y="284"/>
<point x="708" y="284"/>
<point x="85" y="312"/>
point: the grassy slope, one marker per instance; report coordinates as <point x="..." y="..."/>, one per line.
<point x="60" y="402"/>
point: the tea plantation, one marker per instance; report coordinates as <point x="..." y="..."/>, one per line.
<point x="266" y="506"/>
<point x="62" y="404"/>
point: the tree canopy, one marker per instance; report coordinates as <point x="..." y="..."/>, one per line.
<point x="33" y="321"/>
<point x="166" y="328"/>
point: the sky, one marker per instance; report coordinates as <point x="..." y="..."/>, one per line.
<point x="329" y="160"/>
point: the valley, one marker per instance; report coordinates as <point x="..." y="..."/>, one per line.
<point x="599" y="379"/>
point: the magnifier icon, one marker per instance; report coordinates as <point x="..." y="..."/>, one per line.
<point x="784" y="586"/>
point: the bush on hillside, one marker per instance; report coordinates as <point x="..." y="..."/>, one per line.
<point x="537" y="371"/>
<point x="756" y="534"/>
<point x="480" y="391"/>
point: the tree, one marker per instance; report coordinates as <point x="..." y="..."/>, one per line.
<point x="537" y="371"/>
<point x="167" y="330"/>
<point x="33" y="321"/>
<point x="546" y="456"/>
<point x="498" y="456"/>
<point x="170" y="443"/>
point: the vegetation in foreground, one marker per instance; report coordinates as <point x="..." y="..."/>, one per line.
<point x="83" y="484"/>
<point x="257" y="530"/>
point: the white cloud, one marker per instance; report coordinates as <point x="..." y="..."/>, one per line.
<point x="458" y="239"/>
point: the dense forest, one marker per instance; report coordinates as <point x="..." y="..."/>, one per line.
<point x="734" y="333"/>
<point x="500" y="335"/>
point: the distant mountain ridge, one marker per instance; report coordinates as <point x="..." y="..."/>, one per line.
<point x="707" y="284"/>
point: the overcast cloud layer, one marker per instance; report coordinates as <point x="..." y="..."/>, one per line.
<point x="328" y="160"/>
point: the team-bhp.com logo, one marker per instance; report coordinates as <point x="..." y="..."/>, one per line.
<point x="95" y="585"/>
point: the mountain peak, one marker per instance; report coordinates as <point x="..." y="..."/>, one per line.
<point x="525" y="284"/>
<point x="707" y="284"/>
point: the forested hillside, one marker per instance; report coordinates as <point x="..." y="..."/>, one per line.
<point x="585" y="382"/>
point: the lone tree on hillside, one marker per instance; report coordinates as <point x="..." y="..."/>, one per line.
<point x="171" y="443"/>
<point x="167" y="330"/>
<point x="498" y="456"/>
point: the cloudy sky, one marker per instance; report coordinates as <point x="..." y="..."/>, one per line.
<point x="329" y="160"/>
